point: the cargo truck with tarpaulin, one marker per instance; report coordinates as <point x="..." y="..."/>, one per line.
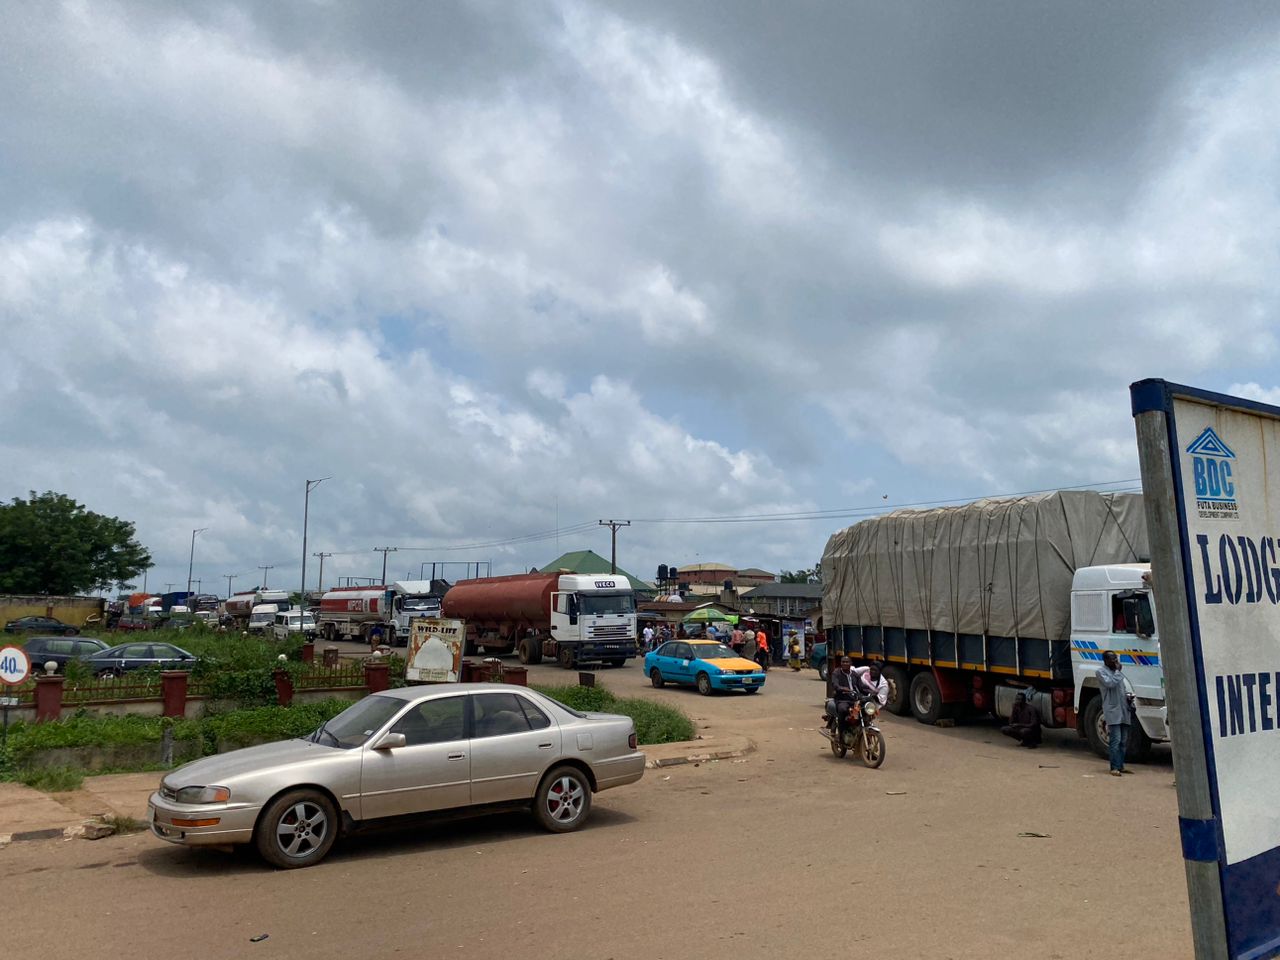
<point x="967" y="606"/>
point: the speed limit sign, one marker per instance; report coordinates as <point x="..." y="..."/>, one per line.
<point x="15" y="665"/>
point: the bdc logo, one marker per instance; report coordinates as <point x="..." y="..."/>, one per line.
<point x="1214" y="480"/>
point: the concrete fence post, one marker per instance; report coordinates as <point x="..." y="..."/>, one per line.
<point x="49" y="697"/>
<point x="173" y="691"/>
<point x="284" y="687"/>
<point x="376" y="675"/>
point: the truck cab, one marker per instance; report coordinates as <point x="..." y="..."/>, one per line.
<point x="1112" y="609"/>
<point x="593" y="617"/>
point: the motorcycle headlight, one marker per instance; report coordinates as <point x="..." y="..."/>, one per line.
<point x="203" y="795"/>
<point x="871" y="708"/>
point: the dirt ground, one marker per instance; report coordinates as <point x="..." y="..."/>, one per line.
<point x="784" y="852"/>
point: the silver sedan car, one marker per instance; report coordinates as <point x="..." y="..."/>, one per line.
<point x="409" y="751"/>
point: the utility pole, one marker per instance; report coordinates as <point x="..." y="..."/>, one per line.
<point x="320" y="579"/>
<point x="384" y="551"/>
<point x="613" y="526"/>
<point x="269" y="566"/>
<point x="191" y="562"/>
<point x="306" y="507"/>
<point x="168" y="587"/>
<point x="230" y="577"/>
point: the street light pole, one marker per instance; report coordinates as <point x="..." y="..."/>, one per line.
<point x="306" y="508"/>
<point x="192" y="560"/>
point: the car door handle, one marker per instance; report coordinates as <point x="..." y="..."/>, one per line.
<point x="544" y="746"/>
<point x="457" y="756"/>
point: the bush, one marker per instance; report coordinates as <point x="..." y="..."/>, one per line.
<point x="586" y="699"/>
<point x="53" y="779"/>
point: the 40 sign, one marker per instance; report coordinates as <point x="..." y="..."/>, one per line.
<point x="15" y="666"/>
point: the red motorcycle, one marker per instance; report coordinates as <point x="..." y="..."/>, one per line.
<point x="856" y="730"/>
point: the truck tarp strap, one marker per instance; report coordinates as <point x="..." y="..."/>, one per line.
<point x="1199" y="839"/>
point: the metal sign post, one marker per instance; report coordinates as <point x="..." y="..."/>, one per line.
<point x="15" y="667"/>
<point x="1212" y="497"/>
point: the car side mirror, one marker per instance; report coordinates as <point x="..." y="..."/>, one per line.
<point x="390" y="741"/>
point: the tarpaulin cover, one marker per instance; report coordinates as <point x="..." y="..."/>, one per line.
<point x="994" y="567"/>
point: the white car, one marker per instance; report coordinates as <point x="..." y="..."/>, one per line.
<point x="293" y="622"/>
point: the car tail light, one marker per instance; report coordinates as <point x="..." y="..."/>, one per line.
<point x="632" y="742"/>
<point x="1060" y="696"/>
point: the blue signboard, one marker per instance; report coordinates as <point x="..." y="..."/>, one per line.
<point x="1223" y="460"/>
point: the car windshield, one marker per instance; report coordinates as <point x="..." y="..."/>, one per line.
<point x="360" y="721"/>
<point x="598" y="603"/>
<point x="713" y="651"/>
<point x="421" y="603"/>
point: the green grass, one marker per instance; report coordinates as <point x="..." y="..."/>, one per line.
<point x="53" y="780"/>
<point x="655" y="722"/>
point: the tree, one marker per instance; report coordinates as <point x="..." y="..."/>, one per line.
<point x="52" y="545"/>
<point x="803" y="576"/>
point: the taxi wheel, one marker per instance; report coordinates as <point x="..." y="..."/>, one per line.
<point x="752" y="689"/>
<point x="655" y="677"/>
<point x="704" y="685"/>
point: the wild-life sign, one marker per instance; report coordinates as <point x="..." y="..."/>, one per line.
<point x="435" y="650"/>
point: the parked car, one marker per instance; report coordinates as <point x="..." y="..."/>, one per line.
<point x="40" y="625"/>
<point x="130" y="622"/>
<point x="706" y="664"/>
<point x="60" y="650"/>
<point x="293" y="622"/>
<point x="408" y="751"/>
<point x="124" y="657"/>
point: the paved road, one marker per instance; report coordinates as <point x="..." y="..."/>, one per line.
<point x="784" y="853"/>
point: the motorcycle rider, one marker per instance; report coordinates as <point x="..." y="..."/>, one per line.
<point x="850" y="685"/>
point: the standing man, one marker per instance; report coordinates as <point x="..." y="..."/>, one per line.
<point x="762" y="653"/>
<point x="735" y="639"/>
<point x="1116" y="710"/>
<point x="648" y="637"/>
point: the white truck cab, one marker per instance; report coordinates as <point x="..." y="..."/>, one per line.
<point x="262" y="617"/>
<point x="593" y="616"/>
<point x="1112" y="609"/>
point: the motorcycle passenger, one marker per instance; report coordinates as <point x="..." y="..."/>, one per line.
<point x="873" y="682"/>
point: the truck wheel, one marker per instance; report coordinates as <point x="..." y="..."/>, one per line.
<point x="391" y="637"/>
<point x="899" y="687"/>
<point x="1138" y="749"/>
<point x="704" y="685"/>
<point x="616" y="662"/>
<point x="926" y="698"/>
<point x="565" y="656"/>
<point x="1095" y="729"/>
<point x="525" y="651"/>
<point x="655" y="677"/>
<point x="823" y="670"/>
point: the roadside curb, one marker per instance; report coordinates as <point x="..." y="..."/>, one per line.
<point x="696" y="751"/>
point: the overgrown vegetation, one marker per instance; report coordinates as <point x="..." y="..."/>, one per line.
<point x="655" y="722"/>
<point x="218" y="731"/>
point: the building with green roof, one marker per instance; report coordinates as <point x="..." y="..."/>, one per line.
<point x="590" y="562"/>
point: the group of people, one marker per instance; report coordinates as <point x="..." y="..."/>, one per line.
<point x="752" y="643"/>
<point x="1117" y="713"/>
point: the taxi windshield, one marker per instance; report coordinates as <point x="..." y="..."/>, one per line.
<point x="713" y="651"/>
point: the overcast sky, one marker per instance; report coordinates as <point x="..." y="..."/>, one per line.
<point x="503" y="268"/>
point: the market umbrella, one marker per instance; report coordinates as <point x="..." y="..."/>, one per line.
<point x="707" y="614"/>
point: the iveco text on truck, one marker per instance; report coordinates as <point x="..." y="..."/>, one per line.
<point x="970" y="605"/>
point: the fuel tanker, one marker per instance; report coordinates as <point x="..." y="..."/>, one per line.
<point x="573" y="618"/>
<point x="361" y="613"/>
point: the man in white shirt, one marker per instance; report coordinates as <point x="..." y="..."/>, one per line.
<point x="647" y="633"/>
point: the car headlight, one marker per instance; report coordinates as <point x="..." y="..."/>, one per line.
<point x="203" y="795"/>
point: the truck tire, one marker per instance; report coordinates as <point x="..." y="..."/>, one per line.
<point x="823" y="670"/>
<point x="926" y="698"/>
<point x="565" y="657"/>
<point x="1138" y="749"/>
<point x="524" y="651"/>
<point x="1095" y="729"/>
<point x="899" y="690"/>
<point x="391" y="637"/>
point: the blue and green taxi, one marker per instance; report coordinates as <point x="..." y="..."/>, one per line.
<point x="705" y="664"/>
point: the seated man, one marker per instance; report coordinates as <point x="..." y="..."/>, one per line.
<point x="1024" y="723"/>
